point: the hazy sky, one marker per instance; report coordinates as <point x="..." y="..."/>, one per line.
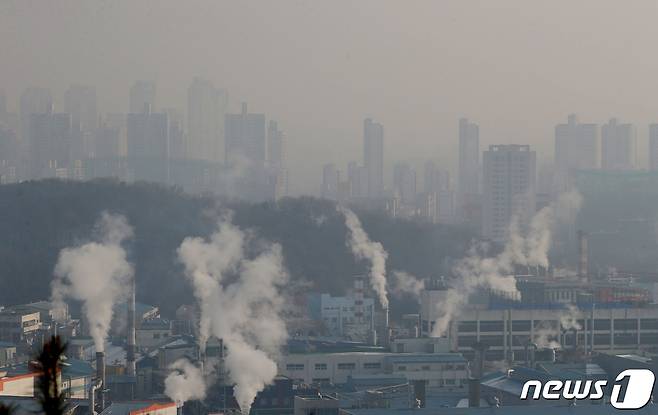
<point x="515" y="67"/>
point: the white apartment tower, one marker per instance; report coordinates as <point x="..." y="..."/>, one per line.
<point x="576" y="148"/>
<point x="618" y="147"/>
<point x="206" y="108"/>
<point x="509" y="173"/>
<point x="653" y="147"/>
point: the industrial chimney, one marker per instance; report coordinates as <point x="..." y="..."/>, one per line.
<point x="100" y="375"/>
<point x="583" y="255"/>
<point x="477" y="370"/>
<point x="130" y="353"/>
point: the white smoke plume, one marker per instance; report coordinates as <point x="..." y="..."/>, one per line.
<point x="472" y="272"/>
<point x="531" y="248"/>
<point x="96" y="273"/>
<point x="545" y="336"/>
<point x="569" y="318"/>
<point x="540" y="233"/>
<point x="245" y="313"/>
<point x="363" y="248"/>
<point x="405" y="283"/>
<point x="184" y="382"/>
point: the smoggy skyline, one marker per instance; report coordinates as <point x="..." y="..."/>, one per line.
<point x="516" y="68"/>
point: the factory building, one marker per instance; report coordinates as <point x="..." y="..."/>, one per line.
<point x="355" y="316"/>
<point x="438" y="370"/>
<point x="550" y="314"/>
<point x="19" y="324"/>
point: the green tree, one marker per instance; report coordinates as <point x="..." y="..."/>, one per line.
<point x="49" y="360"/>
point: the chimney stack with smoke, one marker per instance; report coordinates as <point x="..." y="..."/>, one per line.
<point x="100" y="376"/>
<point x="583" y="255"/>
<point x="130" y="358"/>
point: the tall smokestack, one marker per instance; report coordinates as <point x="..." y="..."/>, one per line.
<point x="130" y="358"/>
<point x="100" y="375"/>
<point x="582" y="255"/>
<point x="477" y="370"/>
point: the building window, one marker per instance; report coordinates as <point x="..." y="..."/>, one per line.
<point x="374" y="365"/>
<point x="649" y="338"/>
<point x="487" y="326"/>
<point x="466" y="341"/>
<point x="520" y="325"/>
<point x="402" y="368"/>
<point x="492" y="341"/>
<point x="601" y="324"/>
<point x="625" y="324"/>
<point x="426" y="368"/>
<point x="624" y="339"/>
<point x="467" y="326"/>
<point x="320" y="366"/>
<point x="649" y="324"/>
<point x="346" y="366"/>
<point x="294" y="366"/>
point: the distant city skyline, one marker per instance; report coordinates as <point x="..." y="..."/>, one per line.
<point x="415" y="68"/>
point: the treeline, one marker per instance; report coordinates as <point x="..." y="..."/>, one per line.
<point x="38" y="219"/>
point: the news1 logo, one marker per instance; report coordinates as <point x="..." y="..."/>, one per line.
<point x="637" y="385"/>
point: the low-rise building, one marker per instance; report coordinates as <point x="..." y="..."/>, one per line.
<point x="19" y="324"/>
<point x="153" y="333"/>
<point x="507" y="327"/>
<point x="437" y="369"/>
<point x="7" y="353"/>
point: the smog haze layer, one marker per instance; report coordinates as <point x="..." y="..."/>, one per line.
<point x="320" y="68"/>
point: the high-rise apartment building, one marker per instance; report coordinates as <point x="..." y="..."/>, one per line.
<point x="49" y="144"/>
<point x="469" y="158"/>
<point x="177" y="147"/>
<point x="8" y="121"/>
<point x="34" y="100"/>
<point x="653" y="147"/>
<point x="148" y="145"/>
<point x="80" y="101"/>
<point x="245" y="139"/>
<point x="245" y="156"/>
<point x="206" y="110"/>
<point x="373" y="157"/>
<point x="330" y="180"/>
<point x="147" y="134"/>
<point x="357" y="177"/>
<point x="576" y="148"/>
<point x="404" y="183"/>
<point x="437" y="187"/>
<point x="107" y="141"/>
<point x="509" y="175"/>
<point x="141" y="93"/>
<point x="435" y="179"/>
<point x="276" y="160"/>
<point x="618" y="147"/>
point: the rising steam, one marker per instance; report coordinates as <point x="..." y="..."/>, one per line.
<point x="363" y="248"/>
<point x="245" y="314"/>
<point x="531" y="249"/>
<point x="184" y="382"/>
<point x="405" y="283"/>
<point x="96" y="273"/>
